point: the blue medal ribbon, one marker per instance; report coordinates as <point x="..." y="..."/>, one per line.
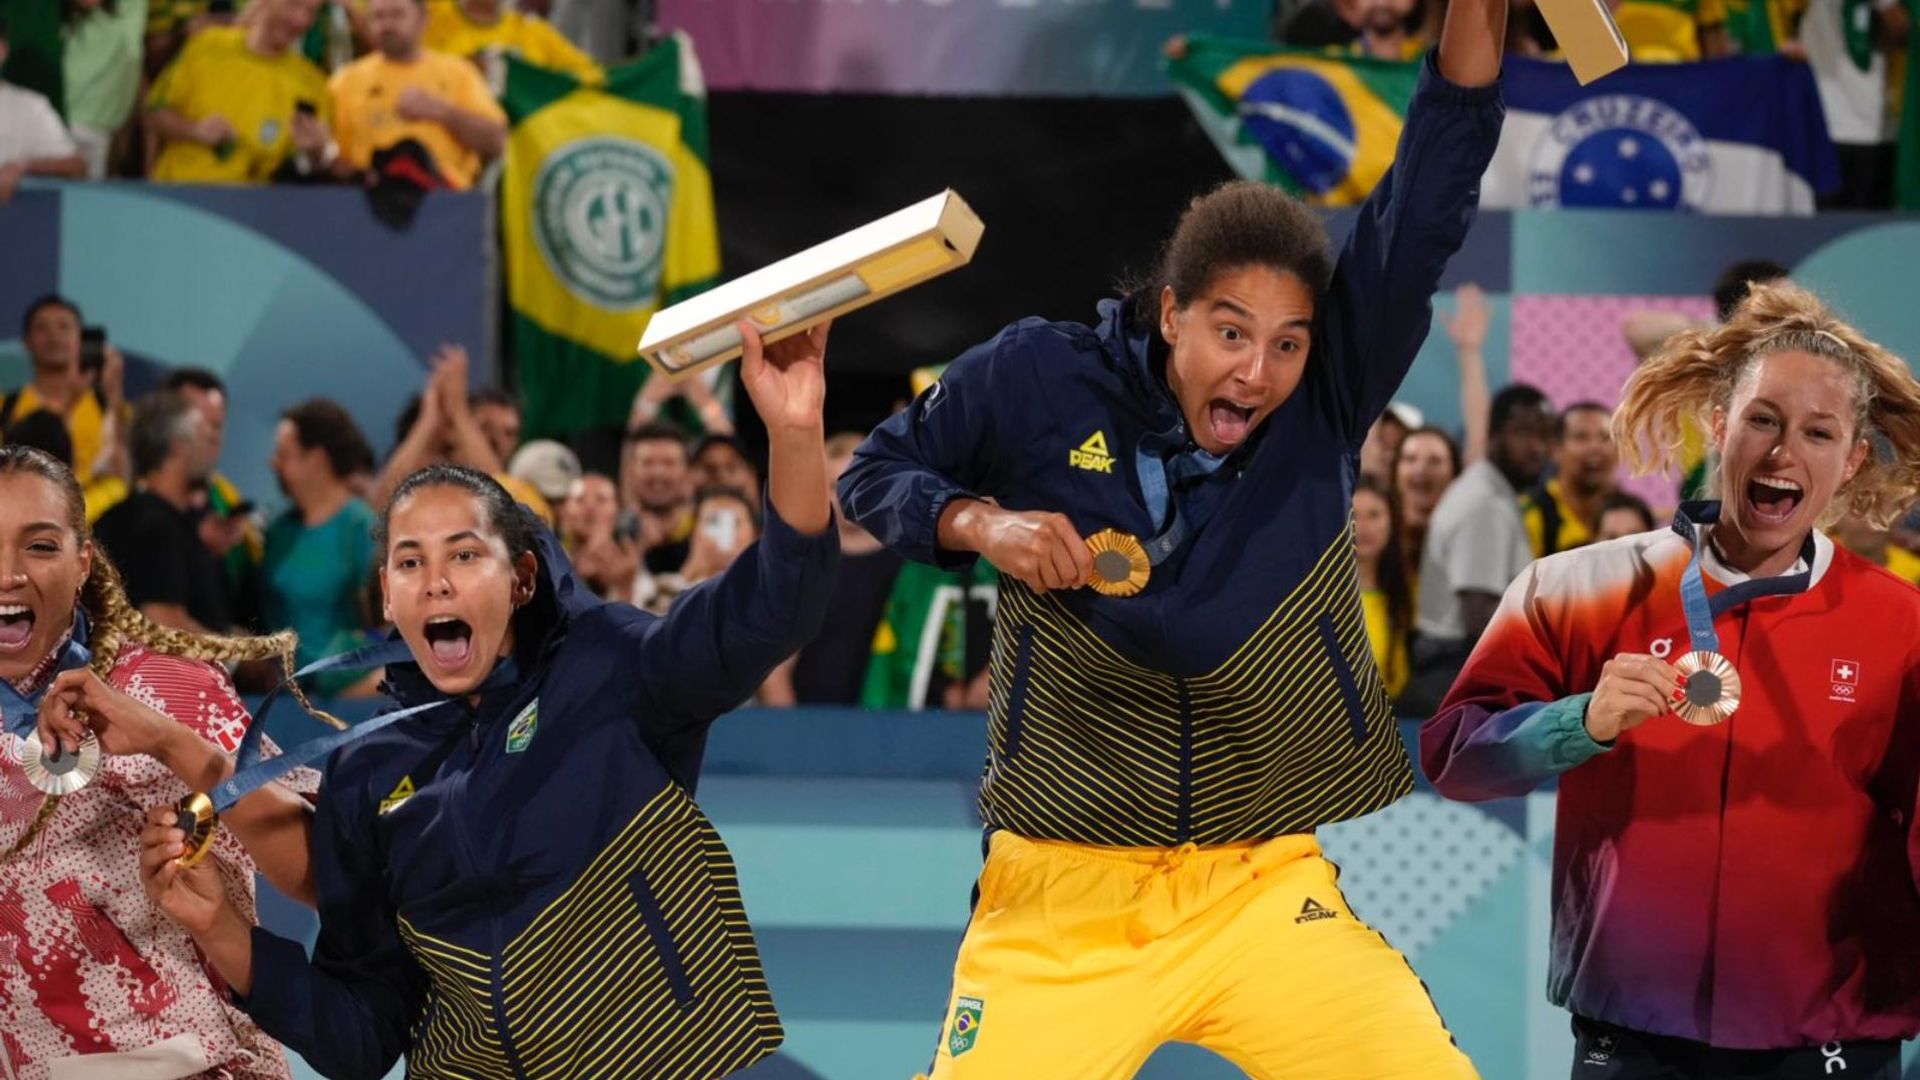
<point x="1700" y="610"/>
<point x="250" y="773"/>
<point x="1160" y="472"/>
<point x="21" y="712"/>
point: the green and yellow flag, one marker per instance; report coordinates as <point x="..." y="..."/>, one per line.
<point x="607" y="213"/>
<point x="1323" y="127"/>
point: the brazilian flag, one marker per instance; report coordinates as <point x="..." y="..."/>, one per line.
<point x="606" y="209"/>
<point x="1323" y="127"/>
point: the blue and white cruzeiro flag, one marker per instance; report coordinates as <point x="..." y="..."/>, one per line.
<point x="1738" y="136"/>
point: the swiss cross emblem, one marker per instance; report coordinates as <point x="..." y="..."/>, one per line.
<point x="1846" y="672"/>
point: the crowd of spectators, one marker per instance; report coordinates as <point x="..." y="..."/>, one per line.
<point x="199" y="554"/>
<point x="310" y="91"/>
<point x="280" y="91"/>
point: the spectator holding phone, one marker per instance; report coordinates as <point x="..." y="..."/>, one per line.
<point x="726" y="521"/>
<point x="241" y="105"/>
<point x="80" y="377"/>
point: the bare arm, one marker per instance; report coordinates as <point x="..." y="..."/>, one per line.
<point x="70" y="166"/>
<point x="1471" y="41"/>
<point x="1468" y="329"/>
<point x="1647" y="331"/>
<point x="1476" y="611"/>
<point x="274" y="823"/>
<point x="469" y="445"/>
<point x="777" y="691"/>
<point x="170" y="126"/>
<point x="480" y="133"/>
<point x="421" y="446"/>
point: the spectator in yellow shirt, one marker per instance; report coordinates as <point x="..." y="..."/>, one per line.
<point x="472" y="27"/>
<point x="1672" y="31"/>
<point x="407" y="91"/>
<point x="92" y="405"/>
<point x="240" y="105"/>
<point x="1563" y="513"/>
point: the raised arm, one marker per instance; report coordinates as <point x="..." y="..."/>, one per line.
<point x="1380" y="305"/>
<point x="723" y="637"/>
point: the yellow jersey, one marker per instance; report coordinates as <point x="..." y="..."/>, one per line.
<point x="528" y="37"/>
<point x="365" y="118"/>
<point x="1666" y="31"/>
<point x="1389" y="648"/>
<point x="1903" y="564"/>
<point x="218" y="74"/>
<point x="1568" y="530"/>
<point x="84" y="429"/>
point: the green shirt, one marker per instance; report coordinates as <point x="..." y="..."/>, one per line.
<point x="103" y="55"/>
<point x="923" y="632"/>
<point x="313" y="580"/>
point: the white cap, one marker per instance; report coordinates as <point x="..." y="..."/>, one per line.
<point x="1409" y="417"/>
<point x="549" y="466"/>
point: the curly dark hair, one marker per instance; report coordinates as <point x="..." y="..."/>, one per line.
<point x="1241" y="223"/>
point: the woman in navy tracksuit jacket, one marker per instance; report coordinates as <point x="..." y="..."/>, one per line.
<point x="518" y="883"/>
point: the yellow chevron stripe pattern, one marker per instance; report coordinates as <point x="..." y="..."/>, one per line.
<point x="644" y="966"/>
<point x="1292" y="731"/>
<point x="456" y="1035"/>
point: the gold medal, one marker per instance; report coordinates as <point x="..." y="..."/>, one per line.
<point x="57" y="773"/>
<point x="1710" y="688"/>
<point x="1120" y="566"/>
<point x="198" y="820"/>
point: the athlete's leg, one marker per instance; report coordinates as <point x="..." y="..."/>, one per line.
<point x="1046" y="984"/>
<point x="1287" y="984"/>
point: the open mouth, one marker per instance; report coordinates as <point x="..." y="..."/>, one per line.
<point x="1230" y="421"/>
<point x="451" y="642"/>
<point x="1773" y="499"/>
<point x="16" y="627"/>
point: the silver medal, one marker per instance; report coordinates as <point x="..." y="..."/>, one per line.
<point x="60" y="774"/>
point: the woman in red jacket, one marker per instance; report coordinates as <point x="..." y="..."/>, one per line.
<point x="1734" y="886"/>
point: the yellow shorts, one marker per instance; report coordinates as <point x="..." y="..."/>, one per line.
<point x="1080" y="961"/>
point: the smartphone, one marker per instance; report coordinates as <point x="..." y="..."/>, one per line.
<point x="627" y="527"/>
<point x="93" y="349"/>
<point x="723" y="528"/>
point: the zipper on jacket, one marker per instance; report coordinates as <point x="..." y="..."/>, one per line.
<point x="1183" y="827"/>
<point x="496" y="976"/>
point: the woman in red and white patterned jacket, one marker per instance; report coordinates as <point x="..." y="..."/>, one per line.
<point x="94" y="981"/>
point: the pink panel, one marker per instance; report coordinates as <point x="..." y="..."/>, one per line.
<point x="1571" y="348"/>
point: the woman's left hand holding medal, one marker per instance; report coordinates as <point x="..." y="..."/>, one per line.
<point x="192" y="895"/>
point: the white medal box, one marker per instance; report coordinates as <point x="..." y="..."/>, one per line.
<point x="823" y="282"/>
<point x="1588" y="36"/>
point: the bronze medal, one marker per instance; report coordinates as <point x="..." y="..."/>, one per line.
<point x="1710" y="688"/>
